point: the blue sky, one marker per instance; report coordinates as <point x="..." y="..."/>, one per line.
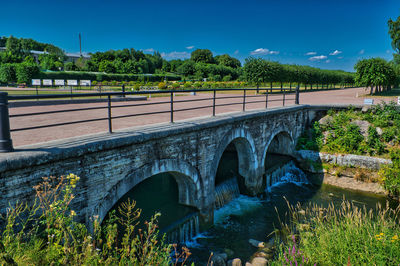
<point x="322" y="33"/>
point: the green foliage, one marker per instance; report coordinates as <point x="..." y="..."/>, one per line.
<point x="311" y="140"/>
<point x="259" y="71"/>
<point x="390" y="174"/>
<point x="228" y="61"/>
<point x="25" y="73"/>
<point x="341" y="235"/>
<point x="202" y="56"/>
<point x="103" y="77"/>
<point x="47" y="234"/>
<point x="7" y="73"/>
<point x="162" y="85"/>
<point x="375" y="145"/>
<point x="340" y="134"/>
<point x="374" y="72"/>
<point x="394" y="31"/>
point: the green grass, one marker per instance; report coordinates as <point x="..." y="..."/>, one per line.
<point x="391" y="93"/>
<point x="341" y="235"/>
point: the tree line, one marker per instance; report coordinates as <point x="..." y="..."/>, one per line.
<point x="258" y="71"/>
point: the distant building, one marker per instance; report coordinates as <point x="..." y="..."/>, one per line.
<point x="72" y="57"/>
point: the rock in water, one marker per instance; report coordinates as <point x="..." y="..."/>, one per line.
<point x="256" y="243"/>
<point x="235" y="262"/>
<point x="259" y="261"/>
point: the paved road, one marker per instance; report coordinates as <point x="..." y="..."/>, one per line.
<point x="20" y="138"/>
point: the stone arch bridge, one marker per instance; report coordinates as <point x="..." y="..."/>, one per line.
<point x="110" y="165"/>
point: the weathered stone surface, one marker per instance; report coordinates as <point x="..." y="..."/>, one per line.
<point x="343" y="159"/>
<point x="326" y="120"/>
<point x="112" y="164"/>
<point x="364" y="125"/>
<point x="379" y="131"/>
<point x="259" y="261"/>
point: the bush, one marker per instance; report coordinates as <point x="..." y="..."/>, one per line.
<point x="162" y="85"/>
<point x="390" y="174"/>
<point x="176" y="85"/>
<point x="7" y="73"/>
<point x="187" y="85"/>
<point x="102" y="77"/>
<point x="25" y="73"/>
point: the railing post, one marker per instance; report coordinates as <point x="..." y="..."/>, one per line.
<point x="284" y="97"/>
<point x="5" y="136"/>
<point x="172" y="107"/>
<point x="296" y="101"/>
<point x="123" y="90"/>
<point x="214" y="92"/>
<point x="109" y="115"/>
<point x="266" y="99"/>
<point x="244" y="100"/>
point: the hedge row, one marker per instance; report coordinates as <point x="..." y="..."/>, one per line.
<point x="106" y="77"/>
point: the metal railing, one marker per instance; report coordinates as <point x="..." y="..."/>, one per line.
<point x="264" y="97"/>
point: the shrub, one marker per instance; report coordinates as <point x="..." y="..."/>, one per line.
<point x="7" y="73"/>
<point x="25" y="73"/>
<point x="176" y="85"/>
<point x="187" y="85"/>
<point x="162" y="85"/>
<point x="390" y="174"/>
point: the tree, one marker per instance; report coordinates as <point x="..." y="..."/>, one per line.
<point x="106" y="66"/>
<point x="255" y="70"/>
<point x="202" y="56"/>
<point x="394" y="31"/>
<point x="227" y="60"/>
<point x="25" y="72"/>
<point x="374" y="72"/>
<point x="7" y="73"/>
<point x="187" y="68"/>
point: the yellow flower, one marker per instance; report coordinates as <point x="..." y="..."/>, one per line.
<point x="73" y="213"/>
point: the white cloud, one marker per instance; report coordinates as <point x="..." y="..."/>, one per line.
<point x="190" y="47"/>
<point x="311" y="53"/>
<point x="328" y="61"/>
<point x="236" y="52"/>
<point x="362" y="51"/>
<point x="175" y="55"/>
<point x="263" y="51"/>
<point x="388" y="51"/>
<point x="148" y="50"/>
<point x="336" y="52"/>
<point x="318" y="57"/>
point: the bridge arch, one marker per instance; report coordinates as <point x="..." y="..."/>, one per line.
<point x="281" y="141"/>
<point x="246" y="151"/>
<point x="186" y="176"/>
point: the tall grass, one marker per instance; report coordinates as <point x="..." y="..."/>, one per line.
<point x="47" y="233"/>
<point x="339" y="235"/>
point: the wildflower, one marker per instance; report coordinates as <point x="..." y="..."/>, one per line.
<point x="73" y="213"/>
<point x="394" y="238"/>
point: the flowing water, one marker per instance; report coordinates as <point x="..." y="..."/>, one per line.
<point x="237" y="218"/>
<point x="245" y="218"/>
